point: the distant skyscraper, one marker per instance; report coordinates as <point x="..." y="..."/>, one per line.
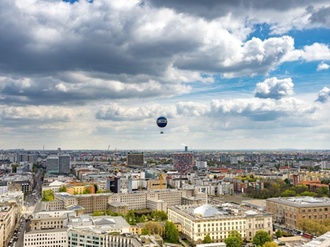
<point x="64" y="163"/>
<point x="52" y="164"/>
<point x="183" y="162"/>
<point x="135" y="159"/>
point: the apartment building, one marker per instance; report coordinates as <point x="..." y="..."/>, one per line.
<point x="50" y="219"/>
<point x="139" y="200"/>
<point x="290" y="210"/>
<point x="198" y="221"/>
<point x="74" y="188"/>
<point x="46" y="238"/>
<point x="94" y="238"/>
<point x="8" y="218"/>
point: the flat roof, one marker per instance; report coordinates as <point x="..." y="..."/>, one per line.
<point x="302" y="201"/>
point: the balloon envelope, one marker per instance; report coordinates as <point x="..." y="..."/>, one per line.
<point x="161" y="122"/>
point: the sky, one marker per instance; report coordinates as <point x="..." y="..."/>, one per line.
<point x="230" y="74"/>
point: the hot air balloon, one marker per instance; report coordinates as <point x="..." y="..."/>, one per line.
<point x="161" y="123"/>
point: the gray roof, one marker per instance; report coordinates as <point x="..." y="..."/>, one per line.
<point x="302" y="201"/>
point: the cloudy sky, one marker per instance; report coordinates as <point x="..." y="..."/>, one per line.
<point x="231" y="74"/>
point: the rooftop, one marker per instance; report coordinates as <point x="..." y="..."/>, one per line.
<point x="302" y="201"/>
<point x="225" y="210"/>
<point x="321" y="241"/>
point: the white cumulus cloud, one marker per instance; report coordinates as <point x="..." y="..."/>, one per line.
<point x="274" y="88"/>
<point x="322" y="66"/>
<point x="323" y="95"/>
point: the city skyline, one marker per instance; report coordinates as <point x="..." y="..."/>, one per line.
<point x="240" y="75"/>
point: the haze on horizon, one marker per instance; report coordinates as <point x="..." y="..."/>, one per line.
<point x="226" y="74"/>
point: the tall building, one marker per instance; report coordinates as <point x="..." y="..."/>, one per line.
<point x="52" y="164"/>
<point x="58" y="164"/>
<point x="64" y="163"/>
<point x="183" y="162"/>
<point x="135" y="159"/>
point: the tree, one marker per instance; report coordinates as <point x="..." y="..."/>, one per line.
<point x="207" y="239"/>
<point x="48" y="195"/>
<point x="87" y="191"/>
<point x="322" y="191"/>
<point x="14" y="168"/>
<point x="145" y="231"/>
<point x="62" y="189"/>
<point x="287" y="181"/>
<point x="261" y="238"/>
<point x="98" y="213"/>
<point x="300" y="188"/>
<point x="96" y="188"/>
<point x="130" y="217"/>
<point x="154" y="228"/>
<point x="270" y="244"/>
<point x="159" y="215"/>
<point x="288" y="193"/>
<point x="278" y="233"/>
<point x="171" y="233"/>
<point x="314" y="227"/>
<point x="234" y="239"/>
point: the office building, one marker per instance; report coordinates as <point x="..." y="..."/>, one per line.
<point x="64" y="163"/>
<point x="198" y="221"/>
<point x="52" y="165"/>
<point x="135" y="159"/>
<point x="183" y="162"/>
<point x="46" y="238"/>
<point x="290" y="210"/>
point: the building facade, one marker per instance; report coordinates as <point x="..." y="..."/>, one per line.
<point x="52" y="164"/>
<point x="290" y="210"/>
<point x="198" y="221"/>
<point x="64" y="163"/>
<point x="46" y="238"/>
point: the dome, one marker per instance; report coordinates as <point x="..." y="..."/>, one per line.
<point x="206" y="210"/>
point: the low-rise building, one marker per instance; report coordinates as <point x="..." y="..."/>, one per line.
<point x="46" y="238"/>
<point x="290" y="210"/>
<point x="198" y="221"/>
<point x="8" y="221"/>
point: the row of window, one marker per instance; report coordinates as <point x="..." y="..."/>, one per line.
<point x="220" y="224"/>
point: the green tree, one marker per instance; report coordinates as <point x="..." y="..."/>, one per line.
<point x="314" y="227"/>
<point x="48" y="195"/>
<point x="145" y="231"/>
<point x="278" y="233"/>
<point x="322" y="191"/>
<point x="130" y="217"/>
<point x="14" y="168"/>
<point x="98" y="213"/>
<point x="62" y="189"/>
<point x="270" y="244"/>
<point x="261" y="238"/>
<point x="87" y="191"/>
<point x="154" y="228"/>
<point x="171" y="233"/>
<point x="308" y="193"/>
<point x="96" y="188"/>
<point x="207" y="239"/>
<point x="159" y="215"/>
<point x="300" y="188"/>
<point x="234" y="239"/>
<point x="287" y="181"/>
<point x="288" y="193"/>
